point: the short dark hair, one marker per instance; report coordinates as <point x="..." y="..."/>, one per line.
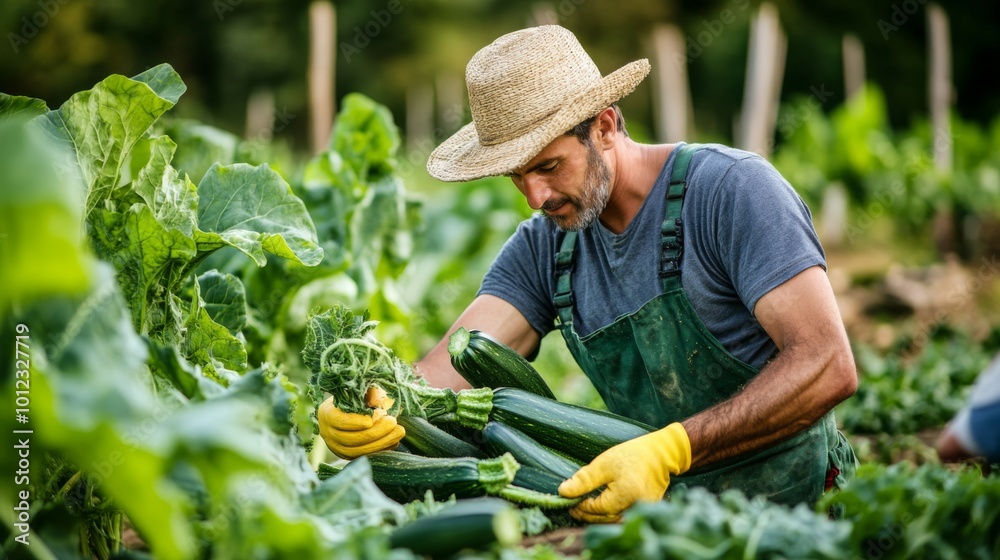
<point x="582" y="130"/>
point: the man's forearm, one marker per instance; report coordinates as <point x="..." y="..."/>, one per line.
<point x="787" y="396"/>
<point x="436" y="368"/>
<point x="490" y="314"/>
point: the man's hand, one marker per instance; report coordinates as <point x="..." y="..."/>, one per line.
<point x="950" y="448"/>
<point x="638" y="469"/>
<point x="353" y="435"/>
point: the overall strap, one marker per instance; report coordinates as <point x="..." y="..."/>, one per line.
<point x="564" y="265"/>
<point x="671" y="233"/>
<point x="672" y="240"/>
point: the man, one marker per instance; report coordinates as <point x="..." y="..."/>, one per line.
<point x="689" y="286"/>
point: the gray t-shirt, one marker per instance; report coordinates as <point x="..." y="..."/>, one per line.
<point x="746" y="231"/>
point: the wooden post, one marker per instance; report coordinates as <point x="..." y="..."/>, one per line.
<point x="543" y="13"/>
<point x="833" y="211"/>
<point x="833" y="215"/>
<point x="765" y="69"/>
<point x="450" y="89"/>
<point x="939" y="85"/>
<point x="948" y="234"/>
<point x="672" y="105"/>
<point x="777" y="77"/>
<point x="260" y="116"/>
<point x="854" y="65"/>
<point x="419" y="118"/>
<point x="322" y="59"/>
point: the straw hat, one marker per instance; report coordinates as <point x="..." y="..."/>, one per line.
<point x="525" y="90"/>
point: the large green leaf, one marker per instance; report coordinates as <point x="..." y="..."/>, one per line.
<point x="380" y="233"/>
<point x="330" y="192"/>
<point x="88" y="402"/>
<point x="18" y="108"/>
<point x="146" y="255"/>
<point x="164" y="81"/>
<point x="351" y="499"/>
<point x="224" y="471"/>
<point x="168" y="363"/>
<point x="173" y="199"/>
<point x="103" y="124"/>
<point x="225" y="299"/>
<point x="209" y="342"/>
<point x="40" y="222"/>
<point x="366" y="137"/>
<point x="200" y="146"/>
<point x="254" y="210"/>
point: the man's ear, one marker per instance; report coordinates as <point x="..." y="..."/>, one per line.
<point x="605" y="131"/>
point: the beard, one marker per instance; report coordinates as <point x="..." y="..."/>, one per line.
<point x="592" y="200"/>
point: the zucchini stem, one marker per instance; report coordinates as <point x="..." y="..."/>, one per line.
<point x="458" y="341"/>
<point x="527" y="497"/>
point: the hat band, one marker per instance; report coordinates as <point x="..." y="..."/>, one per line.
<point x="517" y="133"/>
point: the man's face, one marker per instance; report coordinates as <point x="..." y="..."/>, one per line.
<point x="568" y="181"/>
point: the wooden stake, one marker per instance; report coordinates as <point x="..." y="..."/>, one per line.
<point x="672" y="104"/>
<point x="854" y="65"/>
<point x="948" y="234"/>
<point x="450" y="90"/>
<point x="419" y="118"/>
<point x="833" y="215"/>
<point x="260" y="115"/>
<point x="765" y="68"/>
<point x="543" y="13"/>
<point x="939" y="85"/>
<point x="322" y="59"/>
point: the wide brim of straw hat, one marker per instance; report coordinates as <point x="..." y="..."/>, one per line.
<point x="463" y="158"/>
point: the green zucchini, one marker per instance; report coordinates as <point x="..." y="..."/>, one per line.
<point x="486" y="362"/>
<point x="538" y="479"/>
<point x="424" y="438"/>
<point x="580" y="432"/>
<point x="544" y="489"/>
<point x="405" y="477"/>
<point x="469" y="524"/>
<point x="326" y="470"/>
<point x="500" y="438"/>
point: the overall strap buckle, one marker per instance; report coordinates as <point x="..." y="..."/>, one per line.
<point x="671" y="247"/>
<point x="671" y="232"/>
<point x="563" y="298"/>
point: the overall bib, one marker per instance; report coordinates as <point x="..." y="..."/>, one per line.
<point x="661" y="364"/>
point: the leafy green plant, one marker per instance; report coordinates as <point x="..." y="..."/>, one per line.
<point x="902" y="511"/>
<point x="348" y="361"/>
<point x="890" y="175"/>
<point x="698" y="524"/>
<point x="365" y="223"/>
<point x="143" y="400"/>
<point x="899" y="394"/>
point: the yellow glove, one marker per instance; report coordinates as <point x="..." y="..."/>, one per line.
<point x="353" y="435"/>
<point x="637" y="469"/>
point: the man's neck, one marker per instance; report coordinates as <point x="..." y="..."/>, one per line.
<point x="635" y="168"/>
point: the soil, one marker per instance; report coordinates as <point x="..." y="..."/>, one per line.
<point x="567" y="540"/>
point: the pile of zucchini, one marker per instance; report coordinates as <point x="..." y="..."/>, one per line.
<point x="508" y="437"/>
<point x="519" y="444"/>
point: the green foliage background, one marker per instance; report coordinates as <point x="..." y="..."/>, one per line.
<point x="227" y="49"/>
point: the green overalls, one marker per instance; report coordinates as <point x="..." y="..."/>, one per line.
<point x="661" y="364"/>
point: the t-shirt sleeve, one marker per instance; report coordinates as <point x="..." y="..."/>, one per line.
<point x="765" y="235"/>
<point x="522" y="274"/>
